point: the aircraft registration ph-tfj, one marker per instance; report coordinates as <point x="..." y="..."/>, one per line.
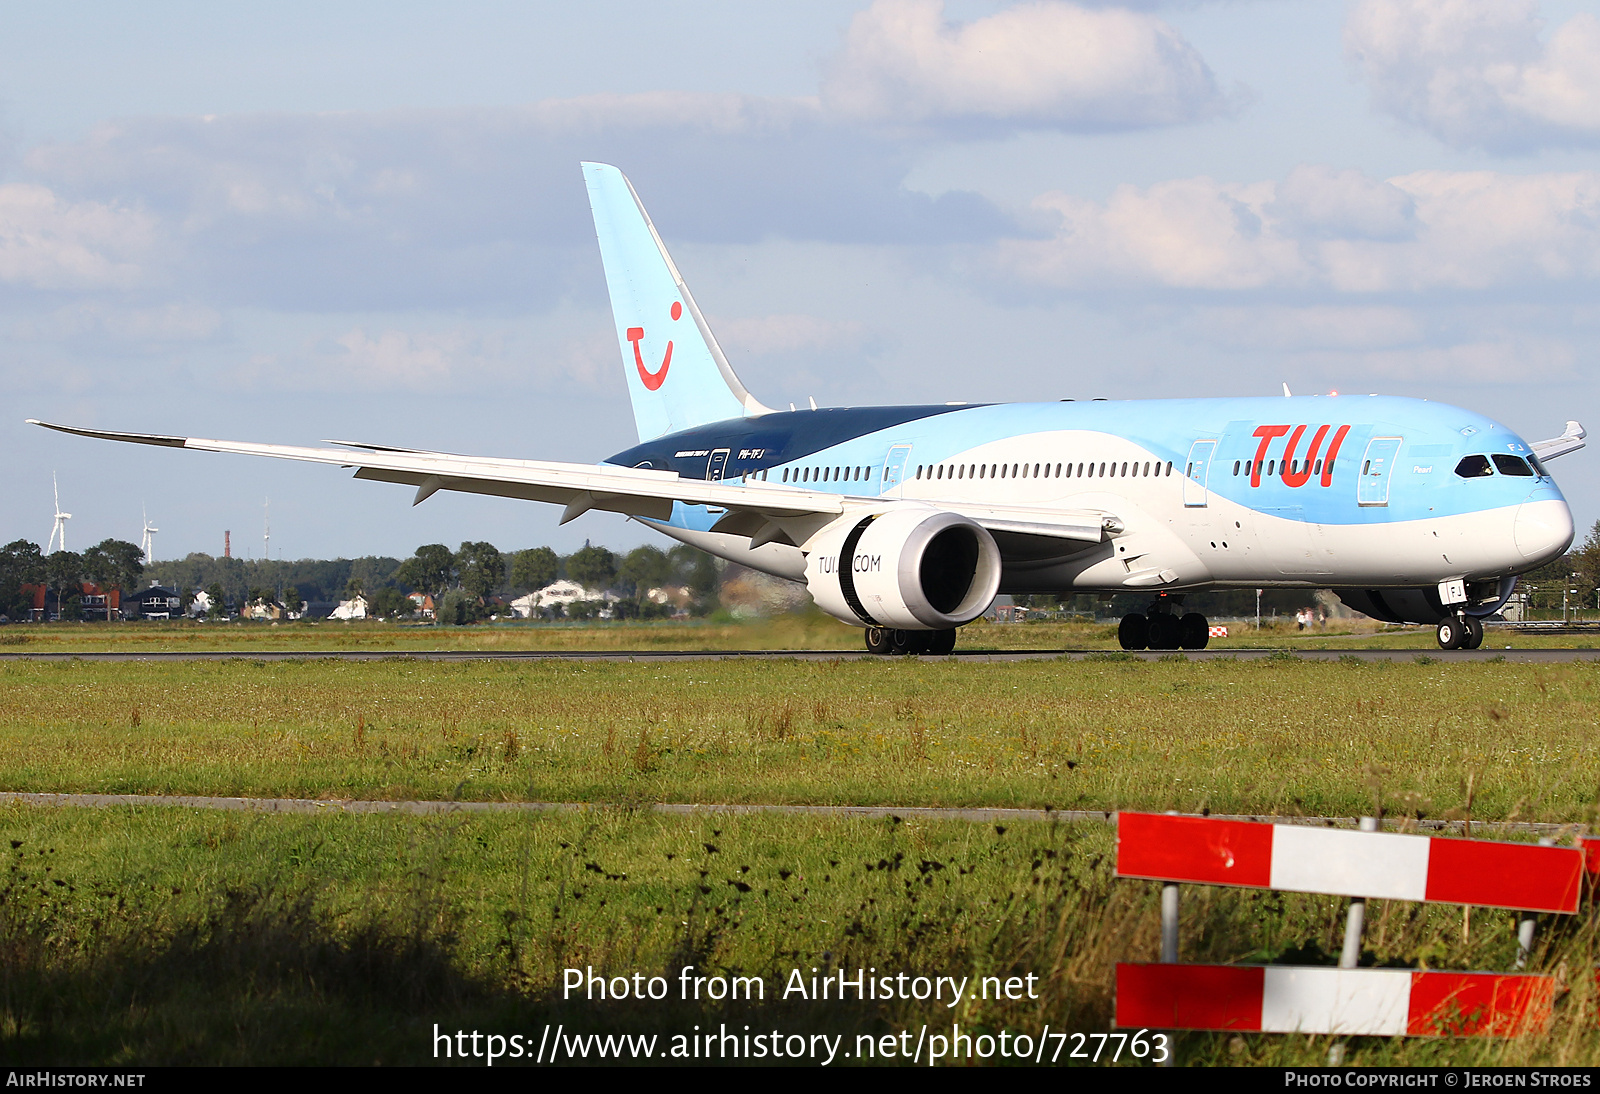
<point x="907" y="521"/>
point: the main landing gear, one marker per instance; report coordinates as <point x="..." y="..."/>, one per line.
<point x="1460" y="632"/>
<point x="887" y="640"/>
<point x="1162" y="628"/>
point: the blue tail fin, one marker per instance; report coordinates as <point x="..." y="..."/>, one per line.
<point x="677" y="375"/>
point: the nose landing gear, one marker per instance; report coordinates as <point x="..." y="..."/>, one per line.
<point x="1460" y="632"/>
<point x="1162" y="628"/>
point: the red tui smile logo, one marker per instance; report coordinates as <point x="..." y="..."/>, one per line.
<point x="652" y="380"/>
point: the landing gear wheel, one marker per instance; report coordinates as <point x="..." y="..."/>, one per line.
<point x="903" y="642"/>
<point x="943" y="642"/>
<point x="917" y="641"/>
<point x="1165" y="632"/>
<point x="878" y="640"/>
<point x="1133" y="632"/>
<point x="1193" y="631"/>
<point x="1473" y="636"/>
<point x="1451" y="633"/>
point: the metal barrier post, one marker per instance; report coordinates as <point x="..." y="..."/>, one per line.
<point x="1355" y="923"/>
<point x="1527" y="921"/>
<point x="1169" y="923"/>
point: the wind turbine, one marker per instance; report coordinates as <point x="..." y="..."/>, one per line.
<point x="59" y="529"/>
<point x="147" y="544"/>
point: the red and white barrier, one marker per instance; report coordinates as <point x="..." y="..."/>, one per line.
<point x="1217" y="632"/>
<point x="1388" y="866"/>
<point x="1371" y="1002"/>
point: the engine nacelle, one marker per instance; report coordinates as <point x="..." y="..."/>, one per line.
<point x="910" y="568"/>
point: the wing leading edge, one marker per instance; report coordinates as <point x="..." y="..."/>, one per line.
<point x="763" y="506"/>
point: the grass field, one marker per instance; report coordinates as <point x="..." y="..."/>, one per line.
<point x="801" y="631"/>
<point x="167" y="935"/>
<point x="1266" y="735"/>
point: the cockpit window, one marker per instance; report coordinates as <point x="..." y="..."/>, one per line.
<point x="1474" y="467"/>
<point x="1538" y="468"/>
<point x="1512" y="465"/>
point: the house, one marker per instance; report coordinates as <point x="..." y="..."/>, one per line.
<point x="424" y="604"/>
<point x="264" y="611"/>
<point x="156" y="602"/>
<point x="95" y="602"/>
<point x="354" y="608"/>
<point x="557" y="594"/>
<point x="101" y="603"/>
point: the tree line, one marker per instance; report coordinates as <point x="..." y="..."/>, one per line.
<point x="109" y="564"/>
<point x="469" y="582"/>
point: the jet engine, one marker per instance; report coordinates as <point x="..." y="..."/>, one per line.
<point x="909" y="568"/>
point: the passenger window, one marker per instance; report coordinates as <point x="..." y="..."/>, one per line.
<point x="1511" y="465"/>
<point x="1470" y="467"/>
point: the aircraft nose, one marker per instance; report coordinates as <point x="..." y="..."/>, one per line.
<point x="1543" y="530"/>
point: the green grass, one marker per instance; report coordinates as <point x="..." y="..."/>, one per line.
<point x="166" y="936"/>
<point x="1256" y="736"/>
<point x="800" y="631"/>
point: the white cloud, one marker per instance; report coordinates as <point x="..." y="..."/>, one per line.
<point x="50" y="243"/>
<point x="1524" y="359"/>
<point x="765" y="334"/>
<point x="384" y="211"/>
<point x="96" y="320"/>
<point x="1317" y="326"/>
<point x="399" y="359"/>
<point x="1046" y="65"/>
<point x="1476" y="73"/>
<point x="1325" y="230"/>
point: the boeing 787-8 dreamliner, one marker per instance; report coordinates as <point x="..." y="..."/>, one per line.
<point x="907" y="521"/>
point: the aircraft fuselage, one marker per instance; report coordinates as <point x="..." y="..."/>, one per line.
<point x="1308" y="491"/>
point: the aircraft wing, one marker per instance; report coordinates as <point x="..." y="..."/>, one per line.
<point x="579" y="487"/>
<point x="632" y="491"/>
<point x="1570" y="440"/>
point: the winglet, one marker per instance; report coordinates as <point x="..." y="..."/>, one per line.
<point x="112" y="435"/>
<point x="1571" y="439"/>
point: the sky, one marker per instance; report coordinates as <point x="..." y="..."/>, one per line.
<point x="364" y="221"/>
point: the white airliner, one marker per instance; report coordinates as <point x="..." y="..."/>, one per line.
<point x="907" y="521"/>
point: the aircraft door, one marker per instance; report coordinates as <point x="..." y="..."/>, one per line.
<point x="717" y="465"/>
<point x="894" y="467"/>
<point x="1377" y="467"/>
<point x="1196" y="468"/>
